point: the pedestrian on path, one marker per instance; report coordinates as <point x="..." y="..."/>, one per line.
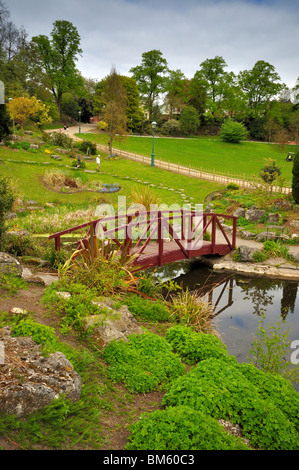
<point x="98" y="161"/>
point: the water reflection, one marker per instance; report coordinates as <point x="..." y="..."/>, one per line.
<point x="240" y="301"/>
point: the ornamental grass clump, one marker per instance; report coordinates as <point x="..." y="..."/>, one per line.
<point x="193" y="309"/>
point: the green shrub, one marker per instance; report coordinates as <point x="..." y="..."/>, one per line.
<point x="233" y="131"/>
<point x="180" y="428"/>
<point x="41" y="334"/>
<point x="87" y="144"/>
<point x="7" y="198"/>
<point x="193" y="346"/>
<point x="143" y="363"/>
<point x="61" y="140"/>
<point x="232" y="186"/>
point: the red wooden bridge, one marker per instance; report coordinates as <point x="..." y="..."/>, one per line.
<point x="160" y="237"/>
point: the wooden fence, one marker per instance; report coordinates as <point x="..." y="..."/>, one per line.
<point x="215" y="176"/>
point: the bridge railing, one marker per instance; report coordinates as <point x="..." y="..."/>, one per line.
<point x="137" y="229"/>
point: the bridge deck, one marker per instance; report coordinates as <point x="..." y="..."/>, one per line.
<point x="172" y="252"/>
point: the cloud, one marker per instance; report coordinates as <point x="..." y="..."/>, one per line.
<point x="117" y="32"/>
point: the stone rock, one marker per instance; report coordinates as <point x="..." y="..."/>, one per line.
<point x="39" y="278"/>
<point x="246" y="253"/>
<point x="294" y="223"/>
<point x="283" y="204"/>
<point x="240" y="212"/>
<point x="265" y="236"/>
<point x="254" y="214"/>
<point x="34" y="146"/>
<point x="10" y="265"/>
<point x="112" y="325"/>
<point x="273" y="219"/>
<point x="10" y="215"/>
<point x="30" y="381"/>
<point x="246" y="235"/>
<point x="19" y="233"/>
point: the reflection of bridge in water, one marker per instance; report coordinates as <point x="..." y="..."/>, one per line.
<point x="224" y="289"/>
<point x="216" y="287"/>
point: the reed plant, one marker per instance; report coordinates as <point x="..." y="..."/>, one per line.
<point x="193" y="309"/>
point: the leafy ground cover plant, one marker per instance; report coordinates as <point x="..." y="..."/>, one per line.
<point x="144" y="363"/>
<point x="218" y="388"/>
<point x="156" y="311"/>
<point x="181" y="428"/>
<point x="193" y="347"/>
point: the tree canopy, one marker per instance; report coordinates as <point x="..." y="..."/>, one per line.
<point x="58" y="56"/>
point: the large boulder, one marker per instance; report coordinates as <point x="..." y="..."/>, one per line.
<point x="246" y="253"/>
<point x="10" y="265"/>
<point x="28" y="380"/>
<point x="254" y="214"/>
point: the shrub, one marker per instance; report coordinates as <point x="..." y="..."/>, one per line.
<point x="143" y="363"/>
<point x="171" y="127"/>
<point x="61" y="140"/>
<point x="270" y="172"/>
<point x="233" y="131"/>
<point x="189" y="120"/>
<point x="194" y="347"/>
<point x="87" y="144"/>
<point x="180" y="428"/>
<point x="7" y="198"/>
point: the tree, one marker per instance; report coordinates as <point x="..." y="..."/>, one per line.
<point x="270" y="173"/>
<point x="295" y="179"/>
<point x="189" y="120"/>
<point x="58" y="57"/>
<point x="260" y="85"/>
<point x="21" y="109"/>
<point x="150" y="78"/>
<point x="175" y="88"/>
<point x="233" y="131"/>
<point x="4" y="121"/>
<point x="135" y="114"/>
<point x="115" y="107"/>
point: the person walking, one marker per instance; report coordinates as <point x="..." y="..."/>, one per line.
<point x="98" y="161"/>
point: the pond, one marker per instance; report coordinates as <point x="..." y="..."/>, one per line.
<point x="239" y="303"/>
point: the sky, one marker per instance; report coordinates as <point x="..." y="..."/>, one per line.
<point x="115" y="33"/>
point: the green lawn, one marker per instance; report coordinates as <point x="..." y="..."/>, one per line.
<point x="207" y="153"/>
<point x="27" y="169"/>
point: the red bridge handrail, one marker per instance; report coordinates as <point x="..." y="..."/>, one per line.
<point x="156" y="224"/>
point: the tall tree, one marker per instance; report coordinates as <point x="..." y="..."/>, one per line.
<point x="176" y="91"/>
<point x="260" y="85"/>
<point x="58" y="56"/>
<point x="150" y="78"/>
<point x="114" y="111"/>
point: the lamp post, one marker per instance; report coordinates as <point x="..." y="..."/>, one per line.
<point x="79" y="112"/>
<point x="153" y="154"/>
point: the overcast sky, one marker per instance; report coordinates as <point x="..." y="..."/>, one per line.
<point x="187" y="32"/>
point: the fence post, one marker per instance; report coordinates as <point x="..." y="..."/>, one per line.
<point x="160" y="237"/>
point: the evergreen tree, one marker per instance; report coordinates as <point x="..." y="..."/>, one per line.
<point x="295" y="180"/>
